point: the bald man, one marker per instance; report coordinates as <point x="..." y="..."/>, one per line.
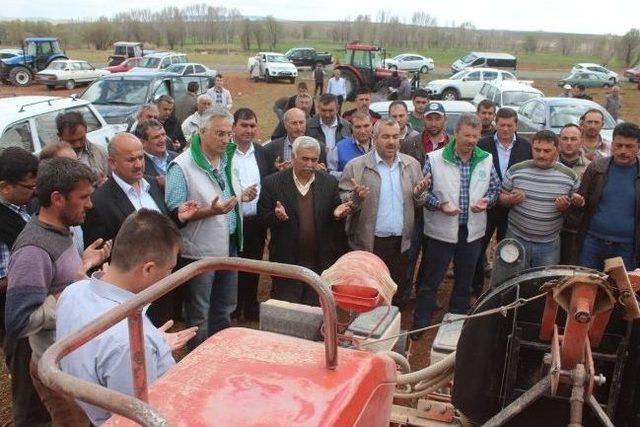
<point x="278" y="151"/>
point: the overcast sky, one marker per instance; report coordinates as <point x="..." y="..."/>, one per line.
<point x="612" y="16"/>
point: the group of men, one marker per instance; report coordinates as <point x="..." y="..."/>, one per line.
<point x="396" y="187"/>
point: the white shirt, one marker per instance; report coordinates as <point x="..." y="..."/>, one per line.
<point x="191" y="125"/>
<point x="330" y="143"/>
<point x="337" y="87"/>
<point x="139" y="201"/>
<point x="246" y="171"/>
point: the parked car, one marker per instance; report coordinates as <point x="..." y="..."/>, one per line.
<point x="273" y="66"/>
<point x="191" y="69"/>
<point x="467" y="83"/>
<point x="633" y="74"/>
<point x="485" y="59"/>
<point x="29" y="122"/>
<point x="410" y="62"/>
<point x="596" y="69"/>
<point x="160" y="61"/>
<point x="453" y="109"/>
<point x="118" y="96"/>
<point x="124" y="66"/>
<point x="507" y="94"/>
<point x="587" y="79"/>
<point x="553" y="113"/>
<point x="308" y="57"/>
<point x="68" y="73"/>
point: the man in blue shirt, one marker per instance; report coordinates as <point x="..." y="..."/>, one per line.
<point x="144" y="252"/>
<point x="355" y="146"/>
<point x="609" y="226"/>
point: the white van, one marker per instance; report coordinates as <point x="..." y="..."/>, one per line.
<point x="485" y="59"/>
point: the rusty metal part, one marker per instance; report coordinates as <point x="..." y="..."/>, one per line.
<point x="548" y="317"/>
<point x="598" y="412"/>
<point x="576" y="400"/>
<point x="437" y="411"/>
<point x="598" y="327"/>
<point x="138" y="365"/>
<point x="614" y="267"/>
<point x="576" y="326"/>
<point x="589" y="368"/>
<point x="520" y="404"/>
<point x="137" y="410"/>
<point x="554" y="369"/>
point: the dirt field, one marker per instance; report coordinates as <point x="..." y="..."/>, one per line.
<point x="260" y="97"/>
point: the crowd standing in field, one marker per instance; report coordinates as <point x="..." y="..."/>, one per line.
<point x="192" y="180"/>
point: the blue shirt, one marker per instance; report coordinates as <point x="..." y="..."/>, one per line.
<point x="614" y="218"/>
<point x="106" y="359"/>
<point x="390" y="215"/>
<point x="161" y="163"/>
<point x="348" y="149"/>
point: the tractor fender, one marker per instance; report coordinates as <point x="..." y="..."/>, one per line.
<point x="54" y="57"/>
<point x="356" y="72"/>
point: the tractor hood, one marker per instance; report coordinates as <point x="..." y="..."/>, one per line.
<point x="17" y="60"/>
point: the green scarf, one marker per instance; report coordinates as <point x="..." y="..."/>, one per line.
<point x="449" y="154"/>
<point x="201" y="161"/>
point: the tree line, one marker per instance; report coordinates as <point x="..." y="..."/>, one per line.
<point x="203" y="24"/>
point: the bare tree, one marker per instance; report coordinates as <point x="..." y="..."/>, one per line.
<point x="629" y="47"/>
<point x="99" y="33"/>
<point x="273" y="31"/>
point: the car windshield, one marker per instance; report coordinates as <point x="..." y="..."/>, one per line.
<point x="517" y="98"/>
<point x="148" y="62"/>
<point x="469" y="58"/>
<point x="55" y="65"/>
<point x="459" y="75"/>
<point x="120" y="92"/>
<point x="277" y="58"/>
<point x="130" y="61"/>
<point x="176" y="68"/>
<point x="570" y="113"/>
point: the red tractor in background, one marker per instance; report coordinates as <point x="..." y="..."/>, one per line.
<point x="363" y="67"/>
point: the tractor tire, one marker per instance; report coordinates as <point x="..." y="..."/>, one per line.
<point x="20" y="76"/>
<point x="352" y="84"/>
<point x="450" y="94"/>
<point x="6" y="82"/>
<point x="70" y="84"/>
<point x="424" y="69"/>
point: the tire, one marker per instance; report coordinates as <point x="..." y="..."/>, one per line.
<point x="51" y="87"/>
<point x="450" y="94"/>
<point x="606" y="85"/>
<point x="8" y="82"/>
<point x="267" y="77"/>
<point x="352" y="84"/>
<point x="70" y="84"/>
<point x="613" y="80"/>
<point x="292" y="80"/>
<point x="20" y="76"/>
<point x="424" y="69"/>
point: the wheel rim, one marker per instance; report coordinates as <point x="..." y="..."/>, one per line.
<point x="424" y="69"/>
<point x="22" y="77"/>
<point x="70" y="84"/>
<point x="449" y="96"/>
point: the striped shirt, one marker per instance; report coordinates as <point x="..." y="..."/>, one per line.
<point x="536" y="218"/>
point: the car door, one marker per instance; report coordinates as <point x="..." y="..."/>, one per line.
<point x="409" y="63"/>
<point x="166" y="61"/>
<point x="471" y="84"/>
<point x="539" y="117"/>
<point x="199" y="70"/>
<point x="188" y="70"/>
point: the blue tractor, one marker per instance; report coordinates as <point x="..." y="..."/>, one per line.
<point x="37" y="53"/>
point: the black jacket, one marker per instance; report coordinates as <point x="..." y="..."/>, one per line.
<point x="111" y="207"/>
<point x="275" y="150"/>
<point x="314" y="129"/>
<point x="174" y="130"/>
<point x="150" y="168"/>
<point x="284" y="234"/>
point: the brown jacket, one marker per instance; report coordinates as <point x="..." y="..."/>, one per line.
<point x="361" y="223"/>
<point x="593" y="181"/>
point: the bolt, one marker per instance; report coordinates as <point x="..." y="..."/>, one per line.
<point x="547" y="359"/>
<point x="600" y="379"/>
<point x="582" y="317"/>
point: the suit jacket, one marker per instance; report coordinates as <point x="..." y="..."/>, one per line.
<point x="315" y="130"/>
<point x="150" y="168"/>
<point x="520" y="152"/>
<point x="275" y="149"/>
<point x="111" y="207"/>
<point x="284" y="234"/>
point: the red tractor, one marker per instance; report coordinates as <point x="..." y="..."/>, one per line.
<point x="363" y="67"/>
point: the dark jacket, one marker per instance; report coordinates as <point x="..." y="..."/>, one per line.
<point x="314" y="130"/>
<point x="591" y="187"/>
<point x="111" y="207"/>
<point x="174" y="130"/>
<point x="150" y="167"/>
<point x="275" y="150"/>
<point x="520" y="152"/>
<point x="291" y="103"/>
<point x="284" y="234"/>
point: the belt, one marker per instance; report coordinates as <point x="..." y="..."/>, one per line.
<point x="610" y="242"/>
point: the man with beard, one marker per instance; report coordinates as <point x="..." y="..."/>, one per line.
<point x="72" y="129"/>
<point x="420" y="100"/>
<point x="433" y="137"/>
<point x="355" y="146"/>
<point x="486" y="112"/>
<point x="363" y="101"/>
<point x="166" y="116"/>
<point x="398" y="111"/>
<point x="594" y="146"/>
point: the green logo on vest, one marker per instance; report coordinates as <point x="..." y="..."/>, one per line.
<point x="482" y="175"/>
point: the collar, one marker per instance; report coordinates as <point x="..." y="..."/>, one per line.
<point x="499" y="144"/>
<point x="13" y="207"/>
<point x="357" y="144"/>
<point x="108" y="290"/>
<point x="249" y="151"/>
<point x="302" y="188"/>
<point x="127" y="188"/>
<point x="332" y="125"/>
<point x="449" y="154"/>
<point x="60" y="230"/>
<point x="379" y="159"/>
<point x="158" y="159"/>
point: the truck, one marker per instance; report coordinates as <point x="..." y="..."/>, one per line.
<point x="308" y="57"/>
<point x="38" y="53"/>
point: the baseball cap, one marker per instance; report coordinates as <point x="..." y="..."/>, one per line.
<point x="434" y="108"/>
<point x="567" y="87"/>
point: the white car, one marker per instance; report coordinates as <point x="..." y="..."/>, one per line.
<point x="453" y="109"/>
<point x="159" y="61"/>
<point x="467" y="83"/>
<point x="507" y="94"/>
<point x="29" y="122"/>
<point x="273" y="66"/>
<point x="191" y="69"/>
<point x="68" y="73"/>
<point x="410" y="62"/>
<point x="595" y="68"/>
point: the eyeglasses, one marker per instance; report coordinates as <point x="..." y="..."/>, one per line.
<point x="31" y="187"/>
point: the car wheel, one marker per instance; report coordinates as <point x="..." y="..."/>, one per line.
<point x="267" y="76"/>
<point x="606" y="85"/>
<point x="450" y="94"/>
<point x="292" y="80"/>
<point x="70" y="84"/>
<point x="51" y="87"/>
<point x="613" y="80"/>
<point x="424" y="69"/>
<point x="393" y="67"/>
<point x="20" y="76"/>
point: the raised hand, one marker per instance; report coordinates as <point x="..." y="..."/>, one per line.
<point x="562" y="203"/>
<point x="219" y="208"/>
<point x="448" y="208"/>
<point x="280" y="165"/>
<point x="360" y="191"/>
<point x="422" y="185"/>
<point x="321" y="167"/>
<point x="480" y="206"/>
<point x="343" y="210"/>
<point x="280" y="212"/>
<point x="250" y="193"/>
<point x="177" y="340"/>
<point x="187" y="210"/>
<point x="96" y="253"/>
<point x="512" y="198"/>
